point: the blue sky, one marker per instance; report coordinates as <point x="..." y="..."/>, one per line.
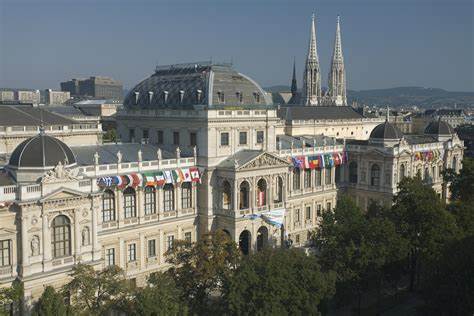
<point x="386" y="43"/>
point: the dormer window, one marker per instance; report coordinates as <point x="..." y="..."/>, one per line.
<point x="239" y="96"/>
<point x="165" y="97"/>
<point x="256" y="97"/>
<point x="220" y="97"/>
<point x="137" y="94"/>
<point x="198" y="96"/>
<point x="181" y="96"/>
<point x="150" y="97"/>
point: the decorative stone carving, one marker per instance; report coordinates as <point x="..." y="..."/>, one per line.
<point x="35" y="245"/>
<point x="34" y="220"/>
<point x="264" y="160"/>
<point x="59" y="174"/>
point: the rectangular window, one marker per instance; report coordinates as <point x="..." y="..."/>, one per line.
<point x="176" y="138"/>
<point x="145" y="136"/>
<point x="297" y="216"/>
<point x="243" y="138"/>
<point x="317" y="176"/>
<point x="328" y="206"/>
<point x="150" y="197"/>
<point x="186" y="196"/>
<point x="328" y="172"/>
<point x="170" y="241"/>
<point x="187" y="237"/>
<point x="131" y="133"/>
<point x="5" y="253"/>
<point x="132" y="252"/>
<point x="318" y="210"/>
<point x="308" y="212"/>
<point x="307" y="178"/>
<point x="159" y="135"/>
<point x="296" y="179"/>
<point x="110" y="257"/>
<point x="193" y="139"/>
<point x="129" y="205"/>
<point x="260" y="137"/>
<point x="225" y="139"/>
<point x="151" y="248"/>
<point x="168" y="198"/>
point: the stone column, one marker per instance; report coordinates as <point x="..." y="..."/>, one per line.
<point x="140" y="204"/>
<point x="121" y="253"/>
<point x="77" y="235"/>
<point x="162" y="249"/>
<point x="142" y="248"/>
<point x="119" y="206"/>
<point x="46" y="238"/>
<point x="96" y="251"/>
<point x="235" y="201"/>
<point x="177" y="196"/>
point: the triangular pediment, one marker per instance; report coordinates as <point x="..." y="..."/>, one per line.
<point x="264" y="160"/>
<point x="61" y="194"/>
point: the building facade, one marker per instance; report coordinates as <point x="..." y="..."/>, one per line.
<point x="56" y="97"/>
<point x="95" y="87"/>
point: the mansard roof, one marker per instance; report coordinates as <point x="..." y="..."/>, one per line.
<point x="203" y="83"/>
<point x="318" y="113"/>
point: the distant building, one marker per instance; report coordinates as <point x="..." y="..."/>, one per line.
<point x="28" y="96"/>
<point x="98" y="107"/>
<point x="455" y="118"/>
<point x="95" y="87"/>
<point x="7" y="95"/>
<point x="56" y="97"/>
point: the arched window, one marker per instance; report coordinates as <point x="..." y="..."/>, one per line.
<point x="168" y="197"/>
<point x="61" y="236"/>
<point x="261" y="192"/>
<point x="353" y="172"/>
<point x="108" y="206"/>
<point x="296" y="179"/>
<point x="226" y="195"/>
<point x="130" y="202"/>
<point x="279" y="190"/>
<point x="186" y="195"/>
<point x="402" y="173"/>
<point x="150" y="200"/>
<point x="244" y="195"/>
<point x="375" y="175"/>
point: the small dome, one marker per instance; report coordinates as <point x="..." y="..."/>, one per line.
<point x="41" y="151"/>
<point x="387" y="131"/>
<point x="439" y="128"/>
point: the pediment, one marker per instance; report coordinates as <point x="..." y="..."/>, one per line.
<point x="264" y="160"/>
<point x="62" y="194"/>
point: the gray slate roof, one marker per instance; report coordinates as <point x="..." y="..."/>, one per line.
<point x="439" y="127"/>
<point x="30" y="116"/>
<point x="318" y="113"/>
<point x="309" y="140"/>
<point x="386" y="130"/>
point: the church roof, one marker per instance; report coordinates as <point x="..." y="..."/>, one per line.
<point x="203" y="83"/>
<point x="318" y="113"/>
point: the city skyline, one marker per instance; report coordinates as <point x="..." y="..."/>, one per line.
<point x="129" y="40"/>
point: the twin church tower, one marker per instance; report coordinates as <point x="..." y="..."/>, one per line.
<point x="312" y="94"/>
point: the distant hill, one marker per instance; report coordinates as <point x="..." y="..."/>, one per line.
<point x="419" y="96"/>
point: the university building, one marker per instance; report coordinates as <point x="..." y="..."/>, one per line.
<point x="203" y="149"/>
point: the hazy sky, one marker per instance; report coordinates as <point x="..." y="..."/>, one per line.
<point x="386" y="43"/>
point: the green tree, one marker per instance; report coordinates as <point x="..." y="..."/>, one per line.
<point x="11" y="298"/>
<point x="448" y="287"/>
<point x="423" y="222"/>
<point x="96" y="292"/>
<point x="200" y="268"/>
<point x="160" y="297"/>
<point x="277" y="282"/>
<point x="110" y="136"/>
<point x="462" y="184"/>
<point x="463" y="213"/>
<point x="358" y="246"/>
<point x="51" y="303"/>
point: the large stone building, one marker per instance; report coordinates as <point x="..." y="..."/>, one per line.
<point x="95" y="87"/>
<point x="56" y="97"/>
<point x="204" y="149"/>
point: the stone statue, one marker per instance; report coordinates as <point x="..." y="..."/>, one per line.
<point x="139" y="155"/>
<point x="195" y="151"/>
<point x="158" y="154"/>
<point x="35" y="245"/>
<point x="178" y="153"/>
<point x="85" y="236"/>
<point x="96" y="158"/>
<point x="119" y="157"/>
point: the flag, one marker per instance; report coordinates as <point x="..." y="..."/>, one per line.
<point x="187" y="175"/>
<point x="328" y="161"/>
<point x="148" y="179"/>
<point x="313" y="162"/>
<point x="177" y="175"/>
<point x="124" y="183"/>
<point x="117" y="180"/>
<point x="160" y="178"/>
<point x="321" y="161"/>
<point x="298" y="162"/>
<point x="136" y="180"/>
<point x="104" y="181"/>
<point x="337" y="159"/>
<point x="168" y="176"/>
<point x="195" y="176"/>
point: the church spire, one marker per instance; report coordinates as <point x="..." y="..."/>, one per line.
<point x="337" y="74"/>
<point x="312" y="75"/>
<point x="294" y="87"/>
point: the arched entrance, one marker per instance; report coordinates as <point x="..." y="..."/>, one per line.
<point x="244" y="242"/>
<point x="262" y="238"/>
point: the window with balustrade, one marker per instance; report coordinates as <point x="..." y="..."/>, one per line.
<point x="61" y="236"/>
